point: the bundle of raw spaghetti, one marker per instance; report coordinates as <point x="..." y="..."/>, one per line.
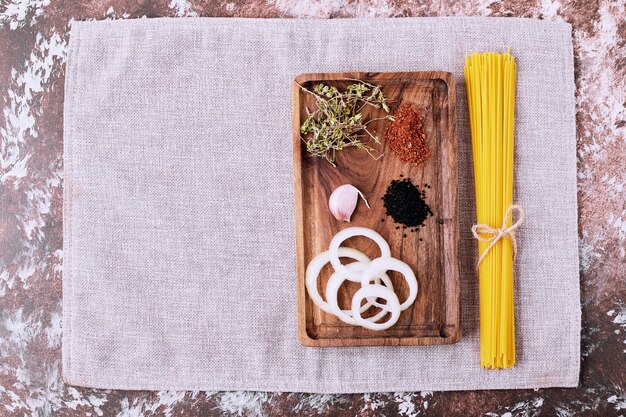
<point x="490" y="79"/>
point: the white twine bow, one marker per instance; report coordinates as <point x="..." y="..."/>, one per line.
<point x="494" y="235"/>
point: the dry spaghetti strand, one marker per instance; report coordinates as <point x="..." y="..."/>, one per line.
<point x="490" y="79"/>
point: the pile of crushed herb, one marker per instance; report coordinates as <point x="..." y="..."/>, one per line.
<point x="406" y="136"/>
<point x="338" y="121"/>
<point x="405" y="204"/>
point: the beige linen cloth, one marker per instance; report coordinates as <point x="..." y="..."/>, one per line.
<point x="179" y="268"/>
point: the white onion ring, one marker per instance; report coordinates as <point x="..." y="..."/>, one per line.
<point x="378" y="291"/>
<point x="381" y="265"/>
<point x="315" y="267"/>
<point x="385" y="251"/>
<point x="332" y="289"/>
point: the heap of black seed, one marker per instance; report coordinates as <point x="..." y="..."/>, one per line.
<point x="405" y="203"/>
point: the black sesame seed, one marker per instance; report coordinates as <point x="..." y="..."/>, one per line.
<point x="405" y="203"/>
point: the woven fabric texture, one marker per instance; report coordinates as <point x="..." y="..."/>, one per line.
<point x="179" y="241"/>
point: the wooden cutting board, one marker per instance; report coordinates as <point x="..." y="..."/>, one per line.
<point x="432" y="251"/>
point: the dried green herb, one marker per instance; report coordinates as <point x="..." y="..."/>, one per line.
<point x="338" y="121"/>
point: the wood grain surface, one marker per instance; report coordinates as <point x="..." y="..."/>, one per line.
<point x="431" y="251"/>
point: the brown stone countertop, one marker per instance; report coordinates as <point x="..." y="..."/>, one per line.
<point x="33" y="46"/>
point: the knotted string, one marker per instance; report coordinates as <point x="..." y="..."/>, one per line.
<point x="494" y="235"/>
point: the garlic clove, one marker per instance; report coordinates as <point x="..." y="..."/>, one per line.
<point x="343" y="200"/>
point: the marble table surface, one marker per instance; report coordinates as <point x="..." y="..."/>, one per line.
<point x="33" y="46"/>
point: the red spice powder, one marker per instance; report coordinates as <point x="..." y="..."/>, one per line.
<point x="406" y="135"/>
